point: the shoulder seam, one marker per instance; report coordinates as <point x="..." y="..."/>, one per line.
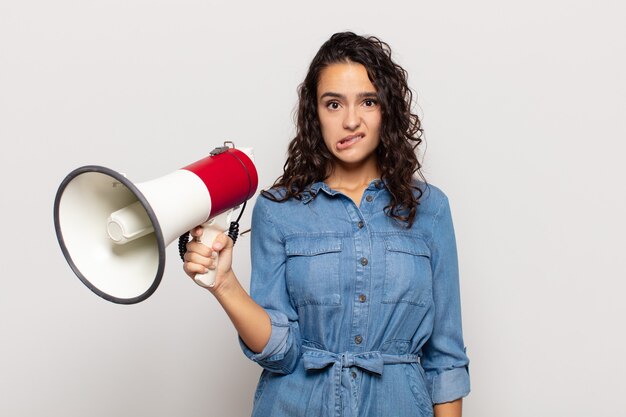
<point x="436" y="217"/>
<point x="269" y="220"/>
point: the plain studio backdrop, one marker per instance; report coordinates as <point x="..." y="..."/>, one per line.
<point x="523" y="105"/>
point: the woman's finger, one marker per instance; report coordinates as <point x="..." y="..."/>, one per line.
<point x="222" y="241"/>
<point x="200" y="259"/>
<point x="199" y="248"/>
<point x="192" y="269"/>
<point x="196" y="231"/>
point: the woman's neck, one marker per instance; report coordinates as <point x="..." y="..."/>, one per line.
<point x="352" y="181"/>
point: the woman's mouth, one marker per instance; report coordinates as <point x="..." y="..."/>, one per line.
<point x="349" y="141"/>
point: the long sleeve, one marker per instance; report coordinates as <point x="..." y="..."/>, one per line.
<point x="268" y="289"/>
<point x="444" y="360"/>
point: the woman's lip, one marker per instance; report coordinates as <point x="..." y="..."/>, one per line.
<point x="349" y="141"/>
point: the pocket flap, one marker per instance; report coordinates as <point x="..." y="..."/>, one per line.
<point x="413" y="245"/>
<point x="309" y="245"/>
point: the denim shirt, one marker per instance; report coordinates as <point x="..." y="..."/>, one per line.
<point x="365" y="313"/>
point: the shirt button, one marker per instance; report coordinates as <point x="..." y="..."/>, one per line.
<point x="353" y="375"/>
<point x="360" y="225"/>
<point x="362" y="298"/>
<point x="378" y="184"/>
<point x="363" y="261"/>
<point x="358" y="340"/>
<point x="369" y="198"/>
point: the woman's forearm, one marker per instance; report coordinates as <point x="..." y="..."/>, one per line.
<point x="451" y="409"/>
<point x="250" y="319"/>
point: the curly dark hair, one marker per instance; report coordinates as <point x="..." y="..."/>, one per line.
<point x="308" y="159"/>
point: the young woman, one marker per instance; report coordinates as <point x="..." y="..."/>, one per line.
<point x="355" y="305"/>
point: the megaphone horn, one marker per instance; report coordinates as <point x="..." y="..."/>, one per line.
<point x="113" y="233"/>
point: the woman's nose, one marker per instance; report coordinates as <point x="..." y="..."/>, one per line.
<point x="352" y="118"/>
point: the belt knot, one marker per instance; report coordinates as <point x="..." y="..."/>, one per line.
<point x="372" y="361"/>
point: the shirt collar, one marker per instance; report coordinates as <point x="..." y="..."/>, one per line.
<point x="311" y="191"/>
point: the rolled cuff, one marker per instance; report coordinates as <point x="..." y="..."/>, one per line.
<point x="280" y="353"/>
<point x="449" y="385"/>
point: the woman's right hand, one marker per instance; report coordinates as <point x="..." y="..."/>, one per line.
<point x="250" y="319"/>
<point x="200" y="258"/>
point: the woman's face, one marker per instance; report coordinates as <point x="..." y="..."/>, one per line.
<point x="349" y="113"/>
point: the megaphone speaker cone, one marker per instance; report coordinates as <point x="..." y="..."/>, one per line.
<point x="124" y="274"/>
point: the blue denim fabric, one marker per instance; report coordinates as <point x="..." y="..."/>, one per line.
<point x="365" y="313"/>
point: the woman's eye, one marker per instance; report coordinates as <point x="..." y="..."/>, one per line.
<point x="369" y="102"/>
<point x="333" y="105"/>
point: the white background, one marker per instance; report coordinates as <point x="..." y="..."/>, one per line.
<point x="523" y="104"/>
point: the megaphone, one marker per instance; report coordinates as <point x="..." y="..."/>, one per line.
<point x="113" y="233"/>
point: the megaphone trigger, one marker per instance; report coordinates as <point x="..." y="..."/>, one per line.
<point x="210" y="230"/>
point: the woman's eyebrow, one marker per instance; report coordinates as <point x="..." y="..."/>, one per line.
<point x="362" y="95"/>
<point x="333" y="95"/>
<point x="367" y="94"/>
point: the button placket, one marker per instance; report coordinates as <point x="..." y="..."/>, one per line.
<point x="362" y="251"/>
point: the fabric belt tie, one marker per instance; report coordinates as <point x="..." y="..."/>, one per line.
<point x="373" y="361"/>
<point x="338" y="392"/>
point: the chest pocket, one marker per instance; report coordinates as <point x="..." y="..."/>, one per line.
<point x="313" y="269"/>
<point x="408" y="274"/>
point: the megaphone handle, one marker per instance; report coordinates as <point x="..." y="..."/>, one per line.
<point x="210" y="230"/>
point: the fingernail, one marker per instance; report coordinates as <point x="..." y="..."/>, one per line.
<point x="218" y="245"/>
<point x="206" y="271"/>
<point x="213" y="255"/>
